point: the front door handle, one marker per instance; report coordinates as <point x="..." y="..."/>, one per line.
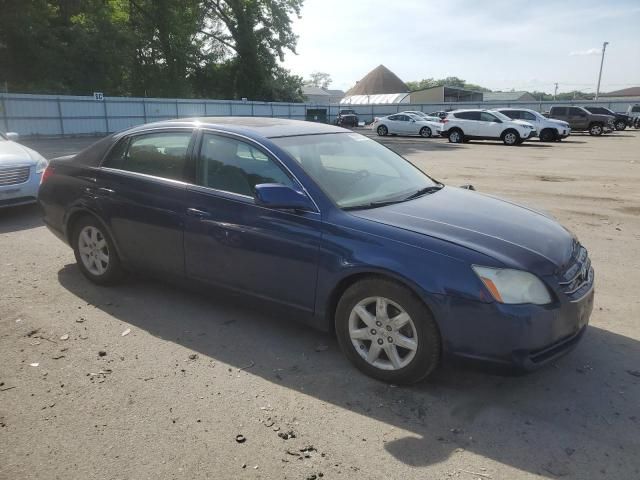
<point x="194" y="212"/>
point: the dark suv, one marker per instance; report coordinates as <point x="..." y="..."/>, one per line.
<point x="347" y="118"/>
<point x="620" y="120"/>
<point x="582" y="120"/>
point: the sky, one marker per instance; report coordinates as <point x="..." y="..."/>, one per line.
<point x="498" y="44"/>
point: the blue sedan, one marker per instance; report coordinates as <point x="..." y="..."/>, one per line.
<point x="348" y="234"/>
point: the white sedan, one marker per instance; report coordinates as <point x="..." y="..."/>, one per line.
<point x="406" y="124"/>
<point x="20" y="172"/>
<point x="423" y="115"/>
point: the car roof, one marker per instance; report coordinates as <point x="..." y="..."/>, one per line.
<point x="268" y="127"/>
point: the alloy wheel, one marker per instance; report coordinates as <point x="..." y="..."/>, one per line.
<point x="510" y="138"/>
<point x="94" y="250"/>
<point x="383" y="333"/>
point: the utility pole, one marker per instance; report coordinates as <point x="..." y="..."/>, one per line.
<point x="555" y="91"/>
<point x="604" y="47"/>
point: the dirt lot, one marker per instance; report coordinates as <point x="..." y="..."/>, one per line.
<point x="168" y="399"/>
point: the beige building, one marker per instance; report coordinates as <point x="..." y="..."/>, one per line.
<point x="444" y="94"/>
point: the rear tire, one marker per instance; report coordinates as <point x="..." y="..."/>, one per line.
<point x="95" y="252"/>
<point x="595" y="129"/>
<point x="426" y="132"/>
<point x="456" y="136"/>
<point x="382" y="131"/>
<point x="387" y="332"/>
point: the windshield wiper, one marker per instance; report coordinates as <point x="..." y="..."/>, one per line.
<point x="424" y="191"/>
<point x="365" y="206"/>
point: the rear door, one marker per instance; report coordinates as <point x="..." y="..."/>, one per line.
<point x="141" y="192"/>
<point x="393" y="124"/>
<point x="469" y="121"/>
<point x="578" y="118"/>
<point x="231" y="241"/>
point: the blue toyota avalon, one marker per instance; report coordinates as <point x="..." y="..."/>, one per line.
<point x="348" y="234"/>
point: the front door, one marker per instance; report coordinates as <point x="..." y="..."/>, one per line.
<point x="578" y="118"/>
<point x="231" y="241"/>
<point x="488" y="126"/>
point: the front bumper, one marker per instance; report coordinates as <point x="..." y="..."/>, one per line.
<point x="21" y="193"/>
<point x="519" y="337"/>
<point x="529" y="134"/>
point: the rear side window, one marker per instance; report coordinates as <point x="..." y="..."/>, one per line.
<point x="235" y="166"/>
<point x="577" y="112"/>
<point x="468" y="115"/>
<point x="635" y="109"/>
<point x="513" y="114"/>
<point x="158" y="154"/>
<point x="559" y="110"/>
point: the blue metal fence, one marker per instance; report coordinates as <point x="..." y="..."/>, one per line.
<point x="83" y="115"/>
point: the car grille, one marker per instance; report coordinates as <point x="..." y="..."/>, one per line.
<point x="577" y="279"/>
<point x="13" y="175"/>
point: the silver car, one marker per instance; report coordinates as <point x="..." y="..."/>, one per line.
<point x="20" y="171"/>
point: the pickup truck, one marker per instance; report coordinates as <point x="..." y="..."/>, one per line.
<point x="581" y="120"/>
<point x="347" y="118"/>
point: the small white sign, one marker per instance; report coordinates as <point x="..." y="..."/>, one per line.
<point x="98" y="96"/>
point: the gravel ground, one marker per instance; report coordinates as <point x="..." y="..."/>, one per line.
<point x="148" y="380"/>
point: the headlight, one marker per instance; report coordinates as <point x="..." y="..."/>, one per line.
<point x="513" y="286"/>
<point x="41" y="165"/>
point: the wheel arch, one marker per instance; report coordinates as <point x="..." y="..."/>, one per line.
<point x="76" y="214"/>
<point x="353" y="277"/>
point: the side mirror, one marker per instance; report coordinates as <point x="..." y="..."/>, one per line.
<point x="413" y="121"/>
<point x="275" y="195"/>
<point x="497" y="120"/>
<point x="12" y="136"/>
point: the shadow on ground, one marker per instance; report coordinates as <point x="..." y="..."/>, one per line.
<point x="578" y="418"/>
<point x="14" y="219"/>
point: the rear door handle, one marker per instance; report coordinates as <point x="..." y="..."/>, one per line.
<point x="194" y="212"/>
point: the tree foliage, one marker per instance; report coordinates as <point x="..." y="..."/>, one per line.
<point x="320" y="79"/>
<point x="166" y="48"/>
<point x="448" y="81"/>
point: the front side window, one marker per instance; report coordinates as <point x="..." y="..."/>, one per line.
<point x="577" y="112"/>
<point x="353" y="170"/>
<point x="487" y="117"/>
<point x="158" y="154"/>
<point x="528" y="116"/>
<point x="235" y="166"/>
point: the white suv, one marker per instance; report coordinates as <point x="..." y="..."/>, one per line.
<point x="549" y="129"/>
<point x="464" y="125"/>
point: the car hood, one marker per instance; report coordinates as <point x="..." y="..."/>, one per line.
<point x="522" y="122"/>
<point x="512" y="234"/>
<point x="602" y="118"/>
<point x="559" y="122"/>
<point x="12" y="153"/>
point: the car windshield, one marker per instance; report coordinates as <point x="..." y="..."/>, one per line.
<point x="347" y="112"/>
<point x="355" y="171"/>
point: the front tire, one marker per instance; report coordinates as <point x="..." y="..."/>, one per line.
<point x="547" y="135"/>
<point x="596" y="129"/>
<point x="426" y="132"/>
<point x="387" y="332"/>
<point x="620" y="125"/>
<point x="511" y="138"/>
<point x="382" y="131"/>
<point x="95" y="252"/>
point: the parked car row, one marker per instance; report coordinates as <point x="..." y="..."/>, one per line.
<point x="510" y="125"/>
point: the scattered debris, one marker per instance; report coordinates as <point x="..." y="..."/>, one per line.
<point x="456" y="431"/>
<point x="126" y="332"/>
<point x="287" y="435"/>
<point x="102" y="353"/>
<point x="244" y="465"/>
<point x="7" y="388"/>
<point x="240" y="438"/>
<point x="31" y="333"/>
<point x="65" y="337"/>
<point x="80" y="320"/>
<point x="58" y="357"/>
<point x="251" y="364"/>
<point x="193" y="356"/>
<point x="34" y="364"/>
<point x="484" y="475"/>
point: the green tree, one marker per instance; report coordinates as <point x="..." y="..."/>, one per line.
<point x="257" y="32"/>
<point x="448" y="81"/>
<point x="320" y="79"/>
